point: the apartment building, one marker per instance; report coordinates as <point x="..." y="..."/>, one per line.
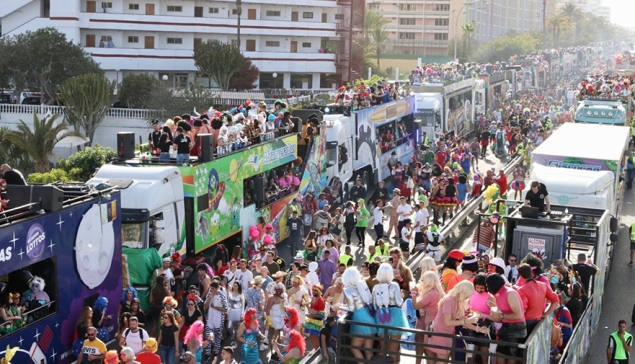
<point x="493" y="19"/>
<point x="288" y="40"/>
<point x="588" y="6"/>
<point x="419" y="27"/>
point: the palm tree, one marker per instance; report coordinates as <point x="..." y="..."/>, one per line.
<point x="38" y="142"/>
<point x="557" y="22"/>
<point x="468" y="33"/>
<point x="12" y="155"/>
<point x="380" y="35"/>
<point x="374" y="33"/>
<point x="575" y="16"/>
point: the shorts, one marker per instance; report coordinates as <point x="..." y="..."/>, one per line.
<point x="512" y="333"/>
<point x="434" y="254"/>
<point x="480" y="247"/>
<point x="632" y="246"/>
<point x="404" y="245"/>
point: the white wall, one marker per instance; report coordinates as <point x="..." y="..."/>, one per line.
<point x="21" y="16"/>
<point x="106" y="134"/>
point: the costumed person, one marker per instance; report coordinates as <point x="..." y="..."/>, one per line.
<point x="11" y="314"/>
<point x="112" y="357"/>
<point x="35" y="297"/>
<point x="248" y="335"/>
<point x="359" y="303"/>
<point x="387" y="299"/>
<point x="169" y="305"/>
<point x="291" y="321"/>
<point x="99" y="315"/>
<point x="194" y="340"/>
<point x="314" y="320"/>
<point x="295" y="349"/>
<point x="298" y="298"/>
<point x="312" y="277"/>
<point x="129" y="294"/>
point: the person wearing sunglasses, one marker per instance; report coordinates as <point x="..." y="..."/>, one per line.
<point x="511" y="270"/>
<point x="94" y="350"/>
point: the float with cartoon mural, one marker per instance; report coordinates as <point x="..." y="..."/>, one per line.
<point x="56" y="264"/>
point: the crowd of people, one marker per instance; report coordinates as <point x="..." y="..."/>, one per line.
<point x="232" y="130"/>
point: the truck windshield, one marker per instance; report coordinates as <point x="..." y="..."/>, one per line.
<point x="425" y="118"/>
<point x="134" y="234"/>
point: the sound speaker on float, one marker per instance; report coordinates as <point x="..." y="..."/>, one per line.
<point x="259" y="188"/>
<point x="125" y="145"/>
<point x="205" y="147"/>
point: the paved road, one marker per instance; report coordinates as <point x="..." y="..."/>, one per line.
<point x="618" y="292"/>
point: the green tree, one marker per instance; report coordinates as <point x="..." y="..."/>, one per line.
<point x="557" y="23"/>
<point x="38" y="142"/>
<point x="55" y="175"/>
<point x="87" y="98"/>
<point x="83" y="164"/>
<point x="135" y="90"/>
<point x="167" y="103"/>
<point x="245" y="78"/>
<point x="375" y="35"/>
<point x="219" y="61"/>
<point x="468" y="34"/>
<point x="12" y="154"/>
<point x="42" y="60"/>
<point x="380" y="36"/>
<point x="506" y="47"/>
<point x="575" y="16"/>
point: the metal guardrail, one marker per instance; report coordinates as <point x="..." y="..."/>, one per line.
<point x="460" y="218"/>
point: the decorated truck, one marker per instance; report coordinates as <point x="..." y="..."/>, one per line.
<point x="201" y="205"/>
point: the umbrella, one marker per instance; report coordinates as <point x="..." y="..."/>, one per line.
<point x="71" y="141"/>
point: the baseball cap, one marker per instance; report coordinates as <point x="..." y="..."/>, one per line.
<point x="456" y="255"/>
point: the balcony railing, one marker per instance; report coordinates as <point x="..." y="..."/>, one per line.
<point x="60" y="110"/>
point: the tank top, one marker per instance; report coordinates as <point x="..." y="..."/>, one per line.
<point x="503" y="305"/>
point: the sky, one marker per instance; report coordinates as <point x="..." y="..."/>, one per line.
<point x="621" y="11"/>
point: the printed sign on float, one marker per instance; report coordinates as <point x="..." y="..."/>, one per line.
<point x="537" y="247"/>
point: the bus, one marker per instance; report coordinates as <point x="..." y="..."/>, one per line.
<point x="58" y="255"/>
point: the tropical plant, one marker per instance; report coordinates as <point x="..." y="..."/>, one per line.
<point x="55" y="175"/>
<point x="12" y="154"/>
<point x="375" y="35"/>
<point x="557" y="23"/>
<point x="81" y="165"/>
<point x="380" y="36"/>
<point x="135" y="90"/>
<point x="506" y="47"/>
<point x="468" y="34"/>
<point x="575" y="16"/>
<point x="245" y="78"/>
<point x="38" y="142"/>
<point x="87" y="99"/>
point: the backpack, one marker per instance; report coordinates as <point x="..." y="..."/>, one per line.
<point x="435" y="239"/>
<point x="127" y="331"/>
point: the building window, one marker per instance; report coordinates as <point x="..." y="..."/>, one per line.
<point x="175" y="40"/>
<point x="406" y="35"/>
<point x="407" y="21"/>
<point x="235" y="42"/>
<point x="272" y="43"/>
<point x="213" y="10"/>
<point x="175" y="9"/>
<point x="373" y="6"/>
<point x="234" y="11"/>
<point x="442" y="22"/>
<point x="407" y="7"/>
<point x="442" y="7"/>
<point x="306" y="44"/>
<point x="133" y="39"/>
<point x="106" y="5"/>
<point x="133" y="6"/>
<point x="301" y="81"/>
<point x="307" y="15"/>
<point x="340" y="16"/>
<point x="273" y="13"/>
<point x="440" y="36"/>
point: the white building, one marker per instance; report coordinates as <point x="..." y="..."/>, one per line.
<point x="285" y="38"/>
<point x="594" y="7"/>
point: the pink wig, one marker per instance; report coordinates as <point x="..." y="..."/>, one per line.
<point x="194" y="332"/>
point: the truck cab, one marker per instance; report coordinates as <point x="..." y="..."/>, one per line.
<point x="152" y="210"/>
<point x="428" y="115"/>
<point x="605" y="110"/>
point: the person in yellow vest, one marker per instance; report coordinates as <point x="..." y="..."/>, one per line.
<point x="347" y="257"/>
<point x="372" y="254"/>
<point x="620" y="342"/>
<point x="383" y="249"/>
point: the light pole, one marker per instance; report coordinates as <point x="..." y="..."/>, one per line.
<point x="456" y="23"/>
<point x="423" y="31"/>
<point x="275" y="77"/>
<point x="239" y="11"/>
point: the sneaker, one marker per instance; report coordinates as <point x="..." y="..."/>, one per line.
<point x="630" y="264"/>
<point x="264" y="347"/>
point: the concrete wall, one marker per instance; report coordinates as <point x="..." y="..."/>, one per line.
<point x="106" y="134"/>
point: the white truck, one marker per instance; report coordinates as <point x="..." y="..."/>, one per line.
<point x="580" y="164"/>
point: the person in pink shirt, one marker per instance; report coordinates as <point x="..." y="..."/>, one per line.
<point x="426" y="296"/>
<point x="507" y="308"/>
<point x="534" y="295"/>
<point x="536" y="270"/>
<point x="478" y="305"/>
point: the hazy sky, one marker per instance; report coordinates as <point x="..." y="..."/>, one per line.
<point x="621" y="11"/>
